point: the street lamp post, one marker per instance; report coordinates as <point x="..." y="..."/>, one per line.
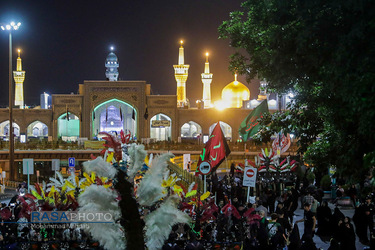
<point x="10" y="27"/>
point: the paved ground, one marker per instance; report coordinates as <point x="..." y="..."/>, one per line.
<point x="325" y="245"/>
<point x="7" y="195"/>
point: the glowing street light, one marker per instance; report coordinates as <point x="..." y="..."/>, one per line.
<point x="9" y="28"/>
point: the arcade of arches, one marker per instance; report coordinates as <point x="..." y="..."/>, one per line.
<point x="115" y="106"/>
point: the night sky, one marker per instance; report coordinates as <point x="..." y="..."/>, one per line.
<point x="64" y="43"/>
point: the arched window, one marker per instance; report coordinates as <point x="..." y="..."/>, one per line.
<point x="4" y="129"/>
<point x="37" y="129"/>
<point x="68" y="127"/>
<point x="161" y="127"/>
<point x="227" y="130"/>
<point x="113" y="116"/>
<point x="191" y="130"/>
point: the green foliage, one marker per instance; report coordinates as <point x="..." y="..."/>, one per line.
<point x="325" y="182"/>
<point x="324" y="52"/>
<point x="310" y="176"/>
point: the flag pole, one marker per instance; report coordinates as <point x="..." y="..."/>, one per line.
<point x="205" y="187"/>
<point x="248" y="195"/>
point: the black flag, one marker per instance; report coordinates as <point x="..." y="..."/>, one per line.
<point x="146" y="113"/>
<point x="67" y="113"/>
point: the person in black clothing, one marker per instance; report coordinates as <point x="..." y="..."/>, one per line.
<point x="346" y="235"/>
<point x="352" y="192"/>
<point x="363" y="219"/>
<point x="280" y="208"/>
<point x="284" y="222"/>
<point x="309" y="222"/>
<point x="194" y="244"/>
<point x="288" y="205"/>
<point x="324" y="216"/>
<point x="232" y="167"/>
<point x="295" y="196"/>
<point x="271" y="198"/>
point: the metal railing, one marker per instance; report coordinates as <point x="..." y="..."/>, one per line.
<point x="11" y="184"/>
<point x="186" y="177"/>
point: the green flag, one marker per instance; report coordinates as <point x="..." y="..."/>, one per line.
<point x="250" y="125"/>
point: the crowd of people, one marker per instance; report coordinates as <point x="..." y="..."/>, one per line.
<point x="270" y="222"/>
<point x="225" y="221"/>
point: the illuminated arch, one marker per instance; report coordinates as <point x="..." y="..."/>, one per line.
<point x="191" y="130"/>
<point x="113" y="116"/>
<point x="227" y="130"/>
<point x="161" y="127"/>
<point x="68" y="129"/>
<point x="4" y="129"/>
<point x="37" y="129"/>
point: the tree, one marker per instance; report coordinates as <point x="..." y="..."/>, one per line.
<point x="323" y="52"/>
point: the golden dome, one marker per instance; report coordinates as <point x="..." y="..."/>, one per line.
<point x="234" y="93"/>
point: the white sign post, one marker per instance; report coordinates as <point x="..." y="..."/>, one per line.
<point x="28" y="168"/>
<point x="249" y="179"/>
<point x="56" y="165"/>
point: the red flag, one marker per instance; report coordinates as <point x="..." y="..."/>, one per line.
<point x="216" y="149"/>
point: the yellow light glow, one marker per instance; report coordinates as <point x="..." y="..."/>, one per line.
<point x="182" y="42"/>
<point x="19" y="50"/>
<point x="221" y="105"/>
<point x="206" y="53"/>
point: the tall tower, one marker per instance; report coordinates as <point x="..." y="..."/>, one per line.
<point x="181" y="75"/>
<point x="111" y="64"/>
<point x="206" y="80"/>
<point x="19" y="77"/>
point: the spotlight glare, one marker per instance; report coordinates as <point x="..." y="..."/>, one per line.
<point x="8" y="27"/>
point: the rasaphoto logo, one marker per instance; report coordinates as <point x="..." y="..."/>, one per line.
<point x="71" y="217"/>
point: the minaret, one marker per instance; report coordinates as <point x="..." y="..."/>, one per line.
<point x="19" y="77"/>
<point x="181" y="75"/>
<point x="206" y="80"/>
<point x="111" y="64"/>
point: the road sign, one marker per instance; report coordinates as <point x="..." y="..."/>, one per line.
<point x="250" y="173"/>
<point x="28" y="166"/>
<point x="72" y="162"/>
<point x="249" y="177"/>
<point x="205" y="168"/>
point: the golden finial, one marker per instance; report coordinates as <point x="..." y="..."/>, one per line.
<point x="235" y="76"/>
<point x="19" y="53"/>
<point x="206" y="56"/>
